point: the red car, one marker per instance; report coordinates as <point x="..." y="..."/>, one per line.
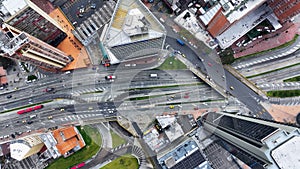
<point x="186" y="96"/>
<point x="209" y="64"/>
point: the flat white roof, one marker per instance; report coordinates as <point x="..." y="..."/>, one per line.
<point x="207" y="17"/>
<point x="242" y="26"/>
<point x="250" y="5"/>
<point x="287" y="155"/>
<point x="18" y="150"/>
<point x="13" y="6"/>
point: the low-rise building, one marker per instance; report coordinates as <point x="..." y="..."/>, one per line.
<point x="186" y="155"/>
<point x="63" y="141"/>
<point x="25" y="147"/>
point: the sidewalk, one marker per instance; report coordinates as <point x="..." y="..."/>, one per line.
<point x="281" y="113"/>
<point x="269" y="41"/>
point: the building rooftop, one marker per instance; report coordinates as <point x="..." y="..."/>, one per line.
<point x="125" y="12"/>
<point x="290" y="160"/>
<point x="186" y="155"/>
<point x="241" y="126"/>
<point x="45" y="5"/>
<point x="217" y="24"/>
<point x="135" y="23"/>
<point x="70" y="45"/>
<point x="166" y="120"/>
<point x="155" y="141"/>
<point x="208" y="16"/>
<point x="68" y="139"/>
<point x="9" y="7"/>
<point x="26" y="146"/>
<point x="242" y="10"/>
<point x="242" y="26"/>
<point x="174" y="132"/>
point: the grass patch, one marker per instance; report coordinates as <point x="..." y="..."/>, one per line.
<point x="145" y="97"/>
<point x="95" y="92"/>
<point x="175" y="64"/>
<point x="116" y="139"/>
<point x="124" y="162"/>
<point x="273" y="70"/>
<point x="283" y="93"/>
<point x="265" y="51"/>
<point x="293" y="79"/>
<point x="23" y="107"/>
<point x="89" y="134"/>
<point x="31" y="77"/>
<point x="161" y="87"/>
<point x="227" y="56"/>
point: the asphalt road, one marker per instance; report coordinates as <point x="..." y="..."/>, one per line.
<point x="223" y="78"/>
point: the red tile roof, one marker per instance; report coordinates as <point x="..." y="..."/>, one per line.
<point x="218" y="24"/>
<point x="67" y="139"/>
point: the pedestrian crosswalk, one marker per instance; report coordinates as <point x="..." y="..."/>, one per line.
<point x="33" y="70"/>
<point x="78" y="117"/>
<point x="286" y="101"/>
<point x="88" y="91"/>
<point x="40" y="75"/>
<point x="284" y="84"/>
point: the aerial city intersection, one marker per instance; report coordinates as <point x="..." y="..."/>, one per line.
<point x="164" y="84"/>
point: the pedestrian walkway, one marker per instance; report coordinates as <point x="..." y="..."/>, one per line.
<point x="269" y="41"/>
<point x="283" y="113"/>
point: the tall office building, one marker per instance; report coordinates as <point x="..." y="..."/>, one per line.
<point x="31" y="16"/>
<point x="27" y="48"/>
<point x="25" y="147"/>
<point x="264" y="144"/>
<point x="285" y="9"/>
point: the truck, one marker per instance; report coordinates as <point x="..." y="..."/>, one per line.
<point x="180" y="42"/>
<point x="153" y="75"/>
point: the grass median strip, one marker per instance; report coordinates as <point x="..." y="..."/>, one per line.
<point x="283" y="93"/>
<point x="293" y="79"/>
<point x="273" y="70"/>
<point x="90" y="136"/>
<point x="168" y="86"/>
<point x="23" y="107"/>
<point x="94" y="92"/>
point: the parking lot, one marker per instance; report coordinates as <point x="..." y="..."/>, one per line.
<point x="78" y="11"/>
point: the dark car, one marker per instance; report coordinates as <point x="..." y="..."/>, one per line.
<point x="49" y="89"/>
<point x="93" y="6"/>
<point x="29" y="122"/>
<point x="9" y="96"/>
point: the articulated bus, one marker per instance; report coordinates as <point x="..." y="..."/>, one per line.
<point x="30" y="109"/>
<point x="78" y="165"/>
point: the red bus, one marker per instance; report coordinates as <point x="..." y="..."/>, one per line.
<point x="30" y="109"/>
<point x="78" y="165"/>
<point x="38" y="107"/>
